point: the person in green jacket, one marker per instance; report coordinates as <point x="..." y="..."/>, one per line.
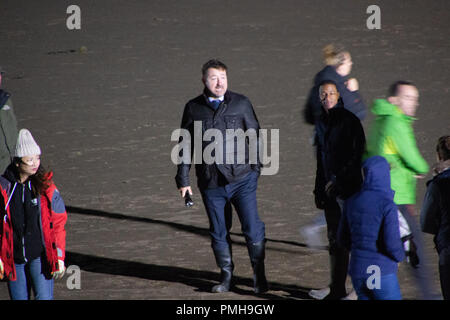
<point x="8" y="127"/>
<point x="392" y="137"/>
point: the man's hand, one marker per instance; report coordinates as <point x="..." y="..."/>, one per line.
<point x="184" y="189"/>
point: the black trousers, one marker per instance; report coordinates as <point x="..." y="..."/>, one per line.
<point x="339" y="256"/>
<point x="444" y="272"/>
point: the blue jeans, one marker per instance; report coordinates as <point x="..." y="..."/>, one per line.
<point x="242" y="194"/>
<point x="31" y="275"/>
<point x="389" y="288"/>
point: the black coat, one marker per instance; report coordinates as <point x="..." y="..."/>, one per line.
<point x="435" y="213"/>
<point x="340" y="144"/>
<point x="352" y="99"/>
<point x="235" y="112"/>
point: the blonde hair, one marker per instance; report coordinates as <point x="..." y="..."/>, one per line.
<point x="334" y="56"/>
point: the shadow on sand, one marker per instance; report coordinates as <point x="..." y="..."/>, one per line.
<point x="202" y="281"/>
<point x="204" y="232"/>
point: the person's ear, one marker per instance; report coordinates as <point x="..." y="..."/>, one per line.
<point x="392" y="100"/>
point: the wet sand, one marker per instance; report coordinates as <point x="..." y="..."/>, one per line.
<point x="103" y="101"/>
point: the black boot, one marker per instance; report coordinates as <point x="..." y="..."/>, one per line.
<point x="225" y="263"/>
<point x="257" y="254"/>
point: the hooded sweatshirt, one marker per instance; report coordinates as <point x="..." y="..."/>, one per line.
<point x="369" y="226"/>
<point x="392" y="137"/>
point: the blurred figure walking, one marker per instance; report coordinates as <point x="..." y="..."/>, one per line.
<point x="338" y="67"/>
<point x="8" y="126"/>
<point x="392" y="136"/>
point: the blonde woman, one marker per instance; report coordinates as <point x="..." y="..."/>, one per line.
<point x="338" y="67"/>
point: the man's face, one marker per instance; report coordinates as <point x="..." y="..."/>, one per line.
<point x="216" y="81"/>
<point x="407" y="99"/>
<point x="329" y="96"/>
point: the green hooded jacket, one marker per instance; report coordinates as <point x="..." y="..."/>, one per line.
<point x="392" y="137"/>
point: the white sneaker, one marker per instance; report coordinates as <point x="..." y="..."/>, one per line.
<point x="319" y="294"/>
<point x="351" y="296"/>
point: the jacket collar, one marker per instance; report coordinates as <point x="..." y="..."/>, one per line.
<point x="326" y="115"/>
<point x="207" y="93"/>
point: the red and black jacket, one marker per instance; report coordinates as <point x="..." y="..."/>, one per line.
<point x="53" y="217"/>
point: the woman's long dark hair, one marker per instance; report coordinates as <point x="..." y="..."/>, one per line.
<point x="39" y="181"/>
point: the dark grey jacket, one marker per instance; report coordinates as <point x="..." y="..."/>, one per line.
<point x="9" y="132"/>
<point x="235" y="112"/>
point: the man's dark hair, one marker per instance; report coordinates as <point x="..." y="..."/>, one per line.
<point x="393" y="89"/>
<point x="443" y="148"/>
<point x="213" y="63"/>
<point x="327" y="82"/>
<point x="324" y="82"/>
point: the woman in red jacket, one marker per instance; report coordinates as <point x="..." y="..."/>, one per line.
<point x="32" y="229"/>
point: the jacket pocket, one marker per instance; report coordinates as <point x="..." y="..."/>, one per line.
<point x="232" y="122"/>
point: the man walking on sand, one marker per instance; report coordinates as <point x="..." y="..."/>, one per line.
<point x="221" y="182"/>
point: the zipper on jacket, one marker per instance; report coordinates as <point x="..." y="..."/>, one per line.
<point x="23" y="237"/>
<point x="10" y="196"/>
<point x="23" y="246"/>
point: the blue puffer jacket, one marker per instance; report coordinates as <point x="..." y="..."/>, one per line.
<point x="369" y="226"/>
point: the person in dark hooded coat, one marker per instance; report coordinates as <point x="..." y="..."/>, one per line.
<point x="369" y="228"/>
